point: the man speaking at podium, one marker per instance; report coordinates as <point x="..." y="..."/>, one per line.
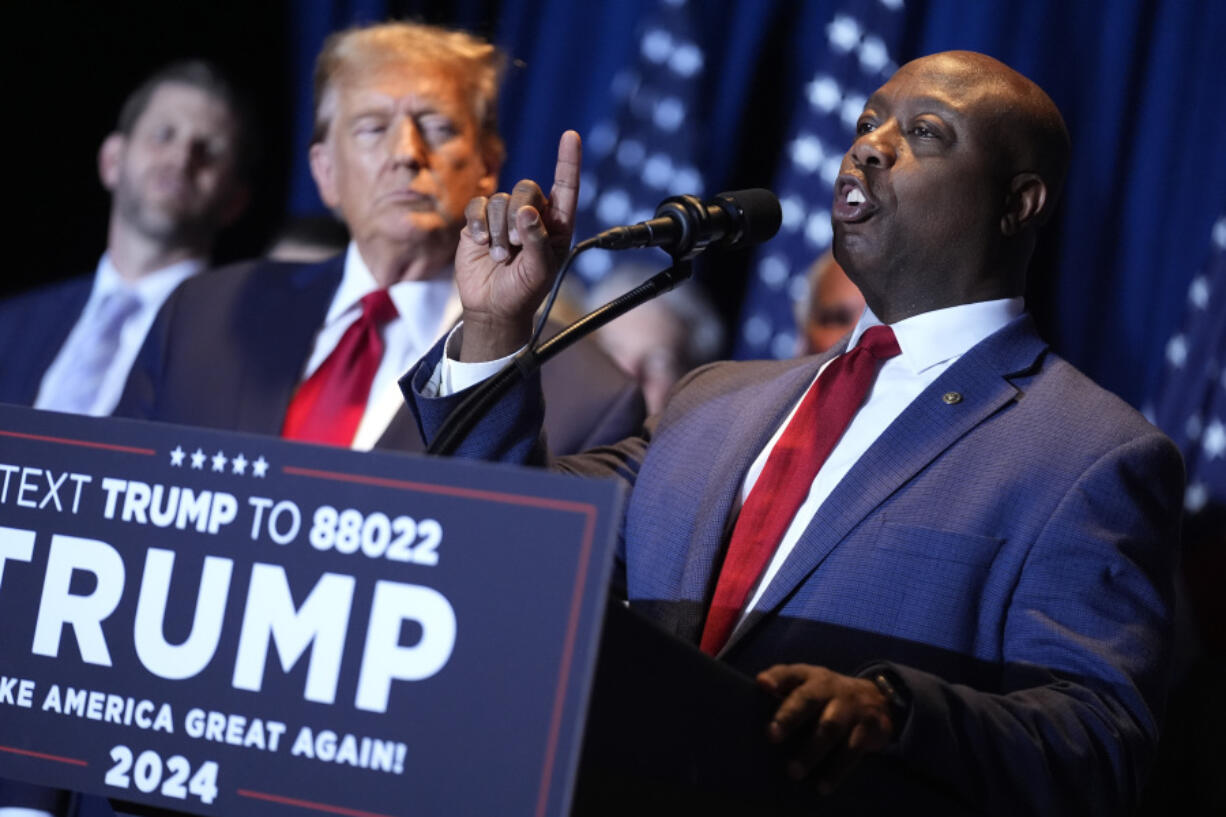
<point x="944" y="550"/>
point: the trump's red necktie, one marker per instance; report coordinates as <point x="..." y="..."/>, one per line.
<point x="328" y="406"/>
<point x="815" y="428"/>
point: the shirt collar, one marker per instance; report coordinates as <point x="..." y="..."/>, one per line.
<point x="934" y="337"/>
<point x="412" y="298"/>
<point x="151" y="288"/>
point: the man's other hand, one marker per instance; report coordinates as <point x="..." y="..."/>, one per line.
<point x="831" y="720"/>
<point x="510" y="250"/>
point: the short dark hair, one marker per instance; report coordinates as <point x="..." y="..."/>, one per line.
<point x="206" y="77"/>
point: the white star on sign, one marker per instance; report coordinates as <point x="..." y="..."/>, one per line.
<point x="219" y="462"/>
<point x="176" y="456"/>
<point x="260" y="467"/>
<point x="1214" y="442"/>
<point x="198" y="459"/>
<point x="240" y="464"/>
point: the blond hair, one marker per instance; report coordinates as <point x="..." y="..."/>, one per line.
<point x="477" y="64"/>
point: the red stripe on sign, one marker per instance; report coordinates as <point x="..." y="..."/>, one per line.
<point x="445" y="490"/>
<point x="44" y="756"/>
<point x="568" y="650"/>
<point x="290" y="801"/>
<point x="149" y="452"/>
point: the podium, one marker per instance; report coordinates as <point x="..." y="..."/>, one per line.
<point x="671" y="731"/>
<point x="213" y="623"/>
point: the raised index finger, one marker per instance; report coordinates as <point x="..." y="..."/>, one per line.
<point x="564" y="196"/>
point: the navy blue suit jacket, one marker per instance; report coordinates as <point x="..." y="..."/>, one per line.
<point x="228" y="349"/>
<point x="1009" y="554"/>
<point x="33" y="327"/>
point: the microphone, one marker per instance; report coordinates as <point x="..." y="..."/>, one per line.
<point x="685" y="226"/>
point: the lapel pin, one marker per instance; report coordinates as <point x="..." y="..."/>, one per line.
<point x="951" y="398"/>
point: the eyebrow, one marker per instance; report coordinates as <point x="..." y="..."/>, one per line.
<point x="930" y="102"/>
<point x="387" y="108"/>
<point x="369" y="109"/>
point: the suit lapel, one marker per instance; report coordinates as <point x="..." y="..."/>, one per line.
<point x="748" y="420"/>
<point x="281" y="317"/>
<point x="59" y="321"/>
<point x="401" y="434"/>
<point x="926" y="428"/>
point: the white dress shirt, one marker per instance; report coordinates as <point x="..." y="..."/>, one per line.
<point x="425" y="310"/>
<point x="930" y="343"/>
<point x="151" y="290"/>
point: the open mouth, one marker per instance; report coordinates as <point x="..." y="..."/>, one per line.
<point x="851" y="202"/>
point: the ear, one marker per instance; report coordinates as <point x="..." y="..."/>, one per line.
<point x="1025" y="204"/>
<point x="323" y="170"/>
<point x="110" y="156"/>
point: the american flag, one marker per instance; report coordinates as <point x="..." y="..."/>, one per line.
<point x="645" y="150"/>
<point x="856" y="56"/>
<point x="1190" y="405"/>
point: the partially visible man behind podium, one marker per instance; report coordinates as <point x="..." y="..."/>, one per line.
<point x="172" y="167"/>
<point x="945" y="551"/>
<point x="406" y="134"/>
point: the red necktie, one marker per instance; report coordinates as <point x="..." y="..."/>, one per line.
<point x="329" y="405"/>
<point x="819" y="422"/>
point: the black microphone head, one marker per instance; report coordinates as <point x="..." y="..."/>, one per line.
<point x="756" y="211"/>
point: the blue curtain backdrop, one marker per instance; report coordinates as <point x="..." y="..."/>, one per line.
<point x="1139" y="83"/>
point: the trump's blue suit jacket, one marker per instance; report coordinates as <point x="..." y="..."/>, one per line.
<point x="33" y="327"/>
<point x="1007" y="551"/>
<point x="228" y="349"/>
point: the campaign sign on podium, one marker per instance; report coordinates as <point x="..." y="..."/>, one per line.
<point x="229" y="624"/>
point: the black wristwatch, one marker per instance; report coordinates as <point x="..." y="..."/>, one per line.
<point x="897" y="696"/>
